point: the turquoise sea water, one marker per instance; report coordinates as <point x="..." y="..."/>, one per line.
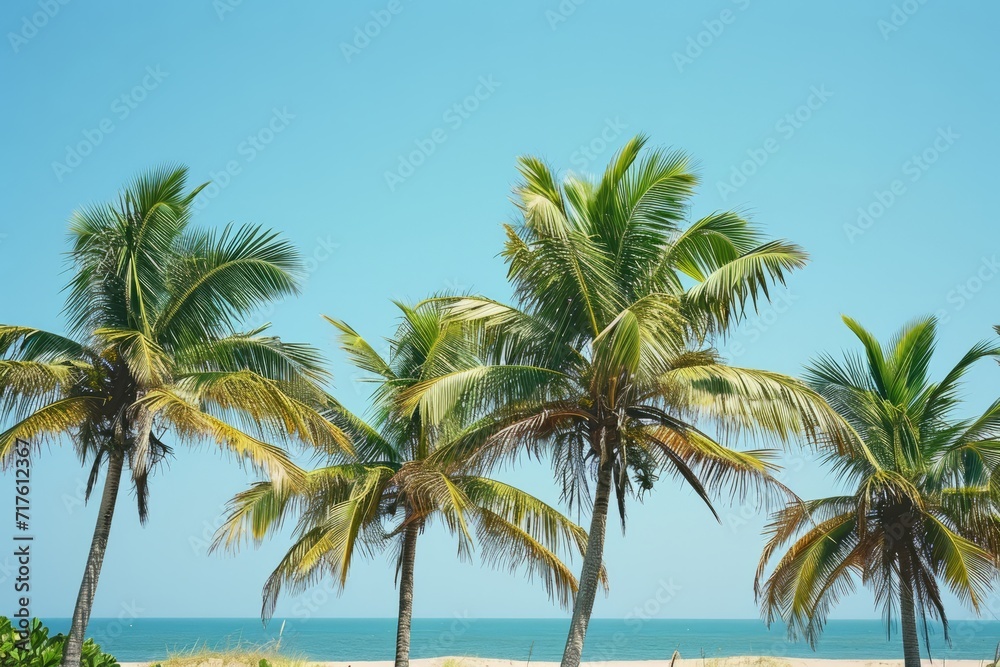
<point x="607" y="639"/>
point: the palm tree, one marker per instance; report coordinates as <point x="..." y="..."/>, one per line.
<point x="606" y="363"/>
<point x="385" y="497"/>
<point x="154" y="350"/>
<point x="923" y="507"/>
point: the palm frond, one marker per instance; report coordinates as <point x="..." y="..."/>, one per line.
<point x="191" y="423"/>
<point x="268" y="356"/>
<point x="146" y="360"/>
<point x="29" y="344"/>
<point x="48" y="423"/>
<point x="224" y="277"/>
<point x="742" y="398"/>
<point x="725" y="293"/>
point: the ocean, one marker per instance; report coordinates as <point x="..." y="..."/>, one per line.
<point x="517" y="639"/>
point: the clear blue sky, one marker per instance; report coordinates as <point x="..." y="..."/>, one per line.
<point x="830" y="103"/>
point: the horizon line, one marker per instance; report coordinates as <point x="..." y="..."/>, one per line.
<point x="453" y="617"/>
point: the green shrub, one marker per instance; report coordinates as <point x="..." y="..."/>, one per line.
<point x="42" y="650"/>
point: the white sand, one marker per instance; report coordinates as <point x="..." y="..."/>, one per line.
<point x="691" y="662"/>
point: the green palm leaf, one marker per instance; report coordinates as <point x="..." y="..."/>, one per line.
<point x="923" y="511"/>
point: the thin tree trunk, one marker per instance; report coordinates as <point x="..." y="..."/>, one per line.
<point x="95" y="559"/>
<point x="908" y="623"/>
<point x="591" y="572"/>
<point x="407" y="559"/>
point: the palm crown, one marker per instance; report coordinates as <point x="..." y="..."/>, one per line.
<point x="922" y="511"/>
<point x="382" y="498"/>
<point x="154" y="343"/>
<point x="606" y="362"/>
<point x="608" y="356"/>
<point x="155" y="348"/>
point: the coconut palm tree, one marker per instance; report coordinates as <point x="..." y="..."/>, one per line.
<point x="154" y="355"/>
<point x="921" y="512"/>
<point x="606" y="363"/>
<point x="386" y="496"/>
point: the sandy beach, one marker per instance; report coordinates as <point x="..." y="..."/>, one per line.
<point x="742" y="661"/>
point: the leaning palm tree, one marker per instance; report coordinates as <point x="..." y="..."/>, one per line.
<point x="606" y="362"/>
<point x="383" y="499"/>
<point x="921" y="514"/>
<point x="154" y="353"/>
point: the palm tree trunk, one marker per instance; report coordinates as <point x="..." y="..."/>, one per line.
<point x="591" y="573"/>
<point x="908" y="621"/>
<point x="95" y="559"/>
<point x="407" y="559"/>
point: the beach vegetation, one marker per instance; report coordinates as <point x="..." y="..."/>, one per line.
<point x="37" y="648"/>
<point x="606" y="363"/>
<point x="920" y="514"/>
<point x="240" y="657"/>
<point x="157" y="355"/>
<point x="399" y="482"/>
<point x="747" y="661"/>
